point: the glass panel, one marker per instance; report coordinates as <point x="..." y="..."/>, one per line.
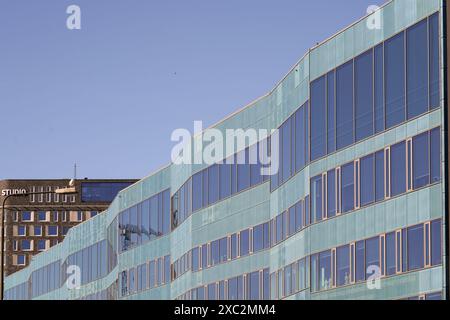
<point x="213" y="183"/>
<point x="233" y="246"/>
<point x="244" y="243"/>
<point x="394" y="54"/>
<point x="421" y="161"/>
<point x="225" y="180"/>
<point x="372" y="255"/>
<point x="299" y="220"/>
<point x="415" y="247"/>
<point x="291" y="230"/>
<point x="434" y="60"/>
<point x="364" y="95"/>
<point x="286" y="149"/>
<point x="255" y="166"/>
<point x="300" y="137"/>
<point x="195" y="259"/>
<point x="417" y="69"/>
<point x="348" y="187"/>
<point x="379" y="88"/>
<point x="331" y="193"/>
<point x="223" y="249"/>
<point x="398" y="168"/>
<point x="435" y="157"/>
<point x="318" y="120"/>
<point x="331" y="113"/>
<point x="243" y="170"/>
<point x="436" y="242"/>
<point x="360" y="261"/>
<point x="325" y="280"/>
<point x="390" y="253"/>
<point x="367" y="180"/>
<point x="343" y="265"/>
<point x="379" y="175"/>
<point x="233" y="289"/>
<point x="316" y="198"/>
<point x="344" y="106"/>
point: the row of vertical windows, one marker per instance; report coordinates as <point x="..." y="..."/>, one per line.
<point x="399" y="251"/>
<point x="49" y="197"/>
<point x="45" y="279"/>
<point x="220" y="181"/>
<point x="146" y="276"/>
<point x="388" y="254"/>
<point x="19" y="292"/>
<point x="249" y="286"/>
<point x="53" y="216"/>
<point x="95" y="262"/>
<point x="395" y="81"/>
<point x="427" y="296"/>
<point x="145" y="221"/>
<point x="400" y="168"/>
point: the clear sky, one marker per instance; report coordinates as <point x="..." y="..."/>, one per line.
<point x="108" y="96"/>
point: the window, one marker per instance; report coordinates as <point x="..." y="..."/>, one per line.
<point x="348" y="187"/>
<point x="214" y="252"/>
<point x="300" y="138"/>
<point x="325" y="280"/>
<point x="21" y="260"/>
<point x="379" y="175"/>
<point x="26" y="216"/>
<point x="417" y="69"/>
<point x="278" y="228"/>
<point x="394" y="72"/>
<point x="234" y="246"/>
<point x="436" y="242"/>
<point x="390" y="254"/>
<point x="253" y="285"/>
<point x="291" y="224"/>
<point x="367" y="168"/>
<point x="287" y="280"/>
<point x="225" y="180"/>
<point x="258" y="238"/>
<point x="415" y="247"/>
<point x="286" y="146"/>
<point x="38" y="230"/>
<point x="101" y="191"/>
<point x="372" y="256"/>
<point x="331" y="193"/>
<point x="318" y="120"/>
<point x="21" y="231"/>
<point x="213" y="183"/>
<point x="421" y="161"/>
<point x="398" y="170"/>
<point x="301" y="274"/>
<point x="195" y="259"/>
<point x="80" y="217"/>
<point x="212" y="291"/>
<point x="243" y="170"/>
<point x="52" y="230"/>
<point x="204" y="256"/>
<point x="152" y="274"/>
<point x="244" y="243"/>
<point x="196" y="191"/>
<point x="435" y="157"/>
<point x="364" y="95"/>
<point x="378" y="79"/>
<point x="41" y="245"/>
<point x="331" y="113"/>
<point x="299" y="220"/>
<point x="316" y="198"/>
<point x="223" y="249"/>
<point x="360" y="269"/>
<point x="26" y="245"/>
<point x="434" y="60"/>
<point x="344" y="105"/>
<point x="343" y="265"/>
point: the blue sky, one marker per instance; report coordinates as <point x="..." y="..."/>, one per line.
<point x="108" y="96"/>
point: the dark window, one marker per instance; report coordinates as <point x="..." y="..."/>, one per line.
<point x="234" y="250"/>
<point x="197" y="191"/>
<point x="390" y="254"/>
<point x="266" y="235"/>
<point x="299" y="220"/>
<point x="360" y="261"/>
<point x="213" y="183"/>
<point x="343" y="265"/>
<point x="255" y="166"/>
<point x="318" y="119"/>
<point x="212" y="291"/>
<point x="223" y="249"/>
<point x="436" y="242"/>
<point x="398" y="169"/>
<point x="214" y="252"/>
<point x="300" y="138"/>
<point x="367" y="180"/>
<point x="344" y="106"/>
<point x="291" y="230"/>
<point x="316" y="198"/>
<point x="372" y="255"/>
<point x="286" y="149"/>
<point x="379" y="88"/>
<point x="348" y="187"/>
<point x="195" y="259"/>
<point x="253" y="287"/>
<point x="417" y="69"/>
<point x="325" y="280"/>
<point x="364" y="95"/>
<point x="331" y="193"/>
<point x="243" y="170"/>
<point x="331" y="113"/>
<point x="421" y="161"/>
<point x="279" y="228"/>
<point x="204" y="256"/>
<point x="434" y="60"/>
<point x="435" y="156"/>
<point x="415" y="247"/>
<point x="379" y="175"/>
<point x="258" y="238"/>
<point x="394" y="54"/>
<point x="225" y="180"/>
<point x="244" y="243"/>
<point x="101" y="191"/>
<point x="434" y="296"/>
<point x="205" y="187"/>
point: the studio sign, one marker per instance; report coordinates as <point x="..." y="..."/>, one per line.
<point x="8" y="192"/>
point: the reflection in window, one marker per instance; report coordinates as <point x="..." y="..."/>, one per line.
<point x="325" y="281"/>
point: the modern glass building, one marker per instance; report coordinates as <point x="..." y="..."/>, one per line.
<point x="357" y="210"/>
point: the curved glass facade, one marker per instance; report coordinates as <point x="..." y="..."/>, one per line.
<point x="355" y="210"/>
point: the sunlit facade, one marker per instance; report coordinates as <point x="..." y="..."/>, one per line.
<point x="357" y="209"/>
